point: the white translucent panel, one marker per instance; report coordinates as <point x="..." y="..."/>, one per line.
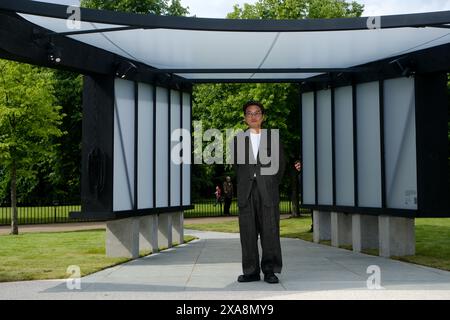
<point x="368" y="145"/>
<point x="217" y="49"/>
<point x="200" y="49"/>
<point x="187" y="167"/>
<point x="145" y="147"/>
<point x="162" y="147"/>
<point x="400" y="143"/>
<point x="175" y="168"/>
<point x="324" y="148"/>
<point x="246" y="76"/>
<point x="343" y="134"/>
<point x="341" y="49"/>
<point x="123" y="172"/>
<point x="63" y="25"/>
<point x="308" y="171"/>
<point x="199" y="76"/>
<point x="98" y="40"/>
<point x="284" y="75"/>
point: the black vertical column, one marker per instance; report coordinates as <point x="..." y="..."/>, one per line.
<point x="301" y="143"/>
<point x="97" y="144"/>
<point x="431" y="144"/>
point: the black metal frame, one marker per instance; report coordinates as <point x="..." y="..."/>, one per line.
<point x="26" y="42"/>
<point x="151" y="21"/>
<point x="432" y="187"/>
<point x="128" y="21"/>
<point x="23" y="41"/>
<point x="99" y="104"/>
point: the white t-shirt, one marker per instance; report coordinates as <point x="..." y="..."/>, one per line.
<point x="256" y="139"/>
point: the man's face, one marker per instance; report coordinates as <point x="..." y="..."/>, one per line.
<point x="253" y="117"/>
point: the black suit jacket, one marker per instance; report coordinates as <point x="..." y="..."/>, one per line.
<point x="250" y="170"/>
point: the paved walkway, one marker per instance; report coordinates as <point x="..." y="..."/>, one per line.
<point x="207" y="269"/>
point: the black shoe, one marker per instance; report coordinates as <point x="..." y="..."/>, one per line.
<point x="249" y="278"/>
<point x="271" y="278"/>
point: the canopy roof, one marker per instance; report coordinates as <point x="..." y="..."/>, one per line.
<point x="202" y="50"/>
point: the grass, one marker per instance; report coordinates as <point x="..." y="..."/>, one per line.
<point x="432" y="238"/>
<point x="289" y="228"/>
<point x="39" y="256"/>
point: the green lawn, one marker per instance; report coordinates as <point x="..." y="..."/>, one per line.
<point x="37" y="256"/>
<point x="432" y="238"/>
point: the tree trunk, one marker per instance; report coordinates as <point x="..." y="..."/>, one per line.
<point x="14" y="219"/>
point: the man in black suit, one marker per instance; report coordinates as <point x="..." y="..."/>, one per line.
<point x="259" y="164"/>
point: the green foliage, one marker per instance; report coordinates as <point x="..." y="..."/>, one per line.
<point x="159" y="7"/>
<point x="64" y="177"/>
<point x="297" y="9"/>
<point x="29" y="120"/>
<point x="39" y="256"/>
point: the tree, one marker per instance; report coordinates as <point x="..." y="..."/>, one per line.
<point x="297" y="9"/>
<point x="159" y="7"/>
<point x="29" y="119"/>
<point x="219" y="105"/>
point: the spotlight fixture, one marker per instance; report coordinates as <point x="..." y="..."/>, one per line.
<point x="53" y="53"/>
<point x="405" y="66"/>
<point x="125" y="69"/>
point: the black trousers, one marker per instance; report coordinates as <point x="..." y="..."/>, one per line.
<point x="256" y="219"/>
<point x="226" y="208"/>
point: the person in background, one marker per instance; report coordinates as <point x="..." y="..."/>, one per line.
<point x="227" y="195"/>
<point x="218" y="194"/>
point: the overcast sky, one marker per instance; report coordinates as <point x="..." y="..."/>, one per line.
<point x="220" y="8"/>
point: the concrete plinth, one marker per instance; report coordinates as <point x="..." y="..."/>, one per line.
<point x="148" y="233"/>
<point x="165" y="230"/>
<point x="364" y="232"/>
<point x="122" y="238"/>
<point x="178" y="227"/>
<point x="322" y="226"/>
<point x="341" y="229"/>
<point x="397" y="236"/>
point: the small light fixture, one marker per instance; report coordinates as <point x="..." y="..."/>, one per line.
<point x="125" y="69"/>
<point x="405" y="66"/>
<point x="54" y="53"/>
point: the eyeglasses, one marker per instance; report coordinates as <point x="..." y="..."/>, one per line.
<point x="256" y="114"/>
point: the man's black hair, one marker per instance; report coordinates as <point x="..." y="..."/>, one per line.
<point x="253" y="103"/>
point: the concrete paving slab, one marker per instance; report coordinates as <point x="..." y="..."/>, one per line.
<point x="208" y="268"/>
